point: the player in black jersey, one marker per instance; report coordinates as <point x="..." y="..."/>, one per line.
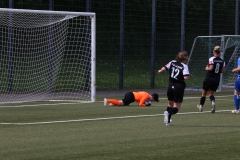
<point x="178" y="73"/>
<point x="215" y="67"/>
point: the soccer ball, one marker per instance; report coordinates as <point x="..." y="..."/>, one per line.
<point x="148" y="103"/>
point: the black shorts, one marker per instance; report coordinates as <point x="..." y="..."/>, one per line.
<point x="128" y="98"/>
<point x="210" y="85"/>
<point x="175" y="92"/>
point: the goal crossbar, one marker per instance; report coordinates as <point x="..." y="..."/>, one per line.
<point x="47" y="12"/>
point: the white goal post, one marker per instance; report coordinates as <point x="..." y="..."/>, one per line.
<point x="47" y="55"/>
<point x="202" y="50"/>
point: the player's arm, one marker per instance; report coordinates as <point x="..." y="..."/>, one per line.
<point x="223" y="70"/>
<point x="186" y="72"/>
<point x="209" y="67"/>
<point x="142" y="104"/>
<point x="142" y="101"/>
<point x="186" y="77"/>
<point x="162" y="69"/>
<point x="236" y="69"/>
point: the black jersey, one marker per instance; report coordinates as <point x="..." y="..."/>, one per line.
<point x="218" y="63"/>
<point x="177" y="71"/>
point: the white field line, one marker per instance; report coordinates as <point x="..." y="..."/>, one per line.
<point x="36" y="105"/>
<point x="196" y="97"/>
<point x="107" y="118"/>
<point x="97" y="119"/>
<point x="56" y="104"/>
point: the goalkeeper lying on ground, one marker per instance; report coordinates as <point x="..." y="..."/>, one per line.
<point x="143" y="98"/>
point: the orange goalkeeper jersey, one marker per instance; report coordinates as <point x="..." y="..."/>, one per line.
<point x="141" y="97"/>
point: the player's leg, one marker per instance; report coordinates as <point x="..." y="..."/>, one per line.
<point x="213" y="89"/>
<point x="128" y="98"/>
<point x="212" y="99"/>
<point x="170" y="105"/>
<point x="205" y="89"/>
<point x="170" y="96"/>
<point x="172" y="111"/>
<point x="178" y="99"/>
<point x="236" y="102"/>
<point x="113" y="102"/>
<point x="167" y="119"/>
<point x="178" y="93"/>
<point x="236" y="96"/>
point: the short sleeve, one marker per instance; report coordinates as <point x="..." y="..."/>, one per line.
<point x="185" y="71"/>
<point x="167" y="66"/>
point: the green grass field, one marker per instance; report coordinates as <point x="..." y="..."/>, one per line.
<point x="90" y="131"/>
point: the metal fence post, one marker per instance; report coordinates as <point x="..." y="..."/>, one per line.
<point x="153" y="42"/>
<point x="183" y="17"/>
<point x="236" y="18"/>
<point x="121" y="54"/>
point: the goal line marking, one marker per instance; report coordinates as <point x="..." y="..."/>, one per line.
<point x="107" y="118"/>
<point x="69" y="103"/>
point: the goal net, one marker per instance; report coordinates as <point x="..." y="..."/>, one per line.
<point x="47" y="55"/>
<point x="202" y="50"/>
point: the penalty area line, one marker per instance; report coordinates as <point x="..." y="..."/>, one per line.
<point x="106" y="118"/>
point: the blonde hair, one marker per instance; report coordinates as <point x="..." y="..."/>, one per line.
<point x="217" y="49"/>
<point x="182" y="56"/>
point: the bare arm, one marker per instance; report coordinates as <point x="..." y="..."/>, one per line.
<point x="223" y="70"/>
<point x="236" y="69"/>
<point x="186" y="77"/>
<point x="209" y="67"/>
<point x="162" y="69"/>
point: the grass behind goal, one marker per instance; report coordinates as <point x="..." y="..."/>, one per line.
<point x="91" y="131"/>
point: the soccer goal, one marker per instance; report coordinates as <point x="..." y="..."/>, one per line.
<point x="47" y="55"/>
<point x="202" y="50"/>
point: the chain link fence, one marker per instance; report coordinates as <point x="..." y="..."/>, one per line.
<point x="135" y="38"/>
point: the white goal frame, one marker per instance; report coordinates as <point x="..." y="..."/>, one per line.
<point x="92" y="17"/>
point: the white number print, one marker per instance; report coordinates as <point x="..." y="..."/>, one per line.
<point x="175" y="72"/>
<point x="217" y="68"/>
